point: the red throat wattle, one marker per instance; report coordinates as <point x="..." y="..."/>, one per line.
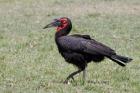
<point x="64" y="24"/>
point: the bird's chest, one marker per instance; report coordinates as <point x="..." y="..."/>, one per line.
<point x="72" y="56"/>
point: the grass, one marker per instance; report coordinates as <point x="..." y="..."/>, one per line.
<point x="30" y="62"/>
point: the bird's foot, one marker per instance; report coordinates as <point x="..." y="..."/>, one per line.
<point x="67" y="80"/>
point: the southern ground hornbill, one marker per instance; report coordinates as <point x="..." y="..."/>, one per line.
<point x="79" y="50"/>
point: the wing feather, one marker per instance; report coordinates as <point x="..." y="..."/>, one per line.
<point x="80" y="44"/>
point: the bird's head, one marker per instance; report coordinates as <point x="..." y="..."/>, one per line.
<point x="62" y="23"/>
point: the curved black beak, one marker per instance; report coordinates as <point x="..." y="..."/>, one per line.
<point x="56" y="23"/>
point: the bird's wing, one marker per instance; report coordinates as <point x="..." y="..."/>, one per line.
<point x="93" y="46"/>
<point x="78" y="44"/>
<point x="92" y="40"/>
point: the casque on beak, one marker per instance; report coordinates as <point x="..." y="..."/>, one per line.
<point x="56" y="23"/>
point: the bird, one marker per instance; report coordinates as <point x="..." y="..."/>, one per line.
<point x="80" y="50"/>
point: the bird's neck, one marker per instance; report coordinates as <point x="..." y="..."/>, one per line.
<point x="63" y="32"/>
<point x="60" y="33"/>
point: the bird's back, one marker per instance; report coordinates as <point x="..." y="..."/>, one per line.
<point x="83" y="45"/>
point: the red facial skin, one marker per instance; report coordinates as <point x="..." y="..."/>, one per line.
<point x="64" y="24"/>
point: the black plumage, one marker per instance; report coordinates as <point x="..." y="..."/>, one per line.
<point x="79" y="50"/>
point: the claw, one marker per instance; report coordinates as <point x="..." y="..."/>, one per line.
<point x="67" y="80"/>
<point x="71" y="76"/>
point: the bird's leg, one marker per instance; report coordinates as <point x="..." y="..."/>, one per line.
<point x="71" y="76"/>
<point x="84" y="75"/>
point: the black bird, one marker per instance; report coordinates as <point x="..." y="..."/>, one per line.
<point x="79" y="50"/>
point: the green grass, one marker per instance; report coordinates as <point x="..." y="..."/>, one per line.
<point x="30" y="62"/>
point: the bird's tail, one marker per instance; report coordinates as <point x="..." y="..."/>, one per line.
<point x="121" y="60"/>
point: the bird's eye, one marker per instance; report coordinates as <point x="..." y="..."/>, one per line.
<point x="64" y="21"/>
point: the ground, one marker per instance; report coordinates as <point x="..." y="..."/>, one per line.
<point x="29" y="59"/>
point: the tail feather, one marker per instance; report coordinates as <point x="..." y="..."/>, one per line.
<point x="121" y="60"/>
